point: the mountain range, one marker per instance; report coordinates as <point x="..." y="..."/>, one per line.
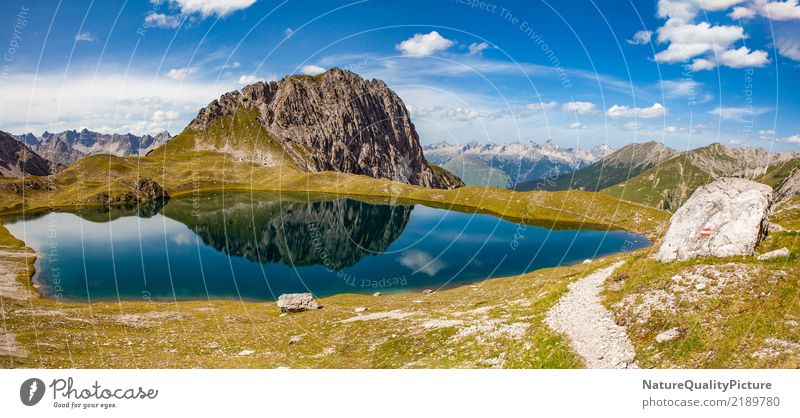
<point x="656" y="175"/>
<point x="65" y="148"/>
<point x="506" y="165"/>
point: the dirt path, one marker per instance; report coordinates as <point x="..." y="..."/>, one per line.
<point x="589" y="325"/>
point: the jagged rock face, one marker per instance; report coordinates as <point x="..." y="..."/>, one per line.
<point x="725" y="218"/>
<point x="340" y="121"/>
<point x="788" y="188"/>
<point x="17" y="160"/>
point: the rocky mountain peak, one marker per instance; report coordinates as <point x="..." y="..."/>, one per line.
<point x="335" y="121"/>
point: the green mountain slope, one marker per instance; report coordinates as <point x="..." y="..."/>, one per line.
<point x="665" y="186"/>
<point x="668" y="185"/>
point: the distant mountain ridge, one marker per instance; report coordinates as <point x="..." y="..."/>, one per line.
<point x="67" y="147"/>
<point x="506" y="165"/>
<point x="618" y="166"/>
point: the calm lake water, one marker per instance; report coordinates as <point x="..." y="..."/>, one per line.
<point x="258" y="246"/>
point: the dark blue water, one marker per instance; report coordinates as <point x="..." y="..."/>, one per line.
<point x="258" y="246"/>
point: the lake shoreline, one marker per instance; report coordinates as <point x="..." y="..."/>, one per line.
<point x="533" y="252"/>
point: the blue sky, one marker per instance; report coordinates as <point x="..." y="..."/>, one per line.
<point x="580" y="72"/>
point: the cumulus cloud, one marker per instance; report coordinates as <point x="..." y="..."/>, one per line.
<point x="766" y="134"/>
<point x="640" y="38"/>
<point x="85" y="37"/>
<point x="161" y="20"/>
<point x="702" y="64"/>
<point x="164" y="115"/>
<point x="312" y="70"/>
<point x="205" y="8"/>
<point x="461" y="114"/>
<point x="423" y="111"/>
<point x="789" y="48"/>
<point x="779" y="10"/>
<point x="582" y="108"/>
<point x="705" y="44"/>
<point x="742" y="13"/>
<point x="793" y="139"/>
<point x="743" y="58"/>
<point x="476" y="48"/>
<point x="422" y="262"/>
<point x="246" y="79"/>
<point x="180" y="74"/>
<point x="423" y="45"/>
<point x="657" y="110"/>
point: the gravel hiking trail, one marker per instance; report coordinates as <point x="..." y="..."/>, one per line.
<point x="589" y="326"/>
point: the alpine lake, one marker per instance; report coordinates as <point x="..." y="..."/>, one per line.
<point x="257" y="246"/>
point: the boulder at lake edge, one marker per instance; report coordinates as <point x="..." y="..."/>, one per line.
<point x="297" y="302"/>
<point x="725" y="218"/>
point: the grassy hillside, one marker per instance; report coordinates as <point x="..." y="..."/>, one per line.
<point x="665" y="186"/>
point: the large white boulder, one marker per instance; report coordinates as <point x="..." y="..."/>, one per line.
<point x="297" y="302"/>
<point x="725" y="218"/>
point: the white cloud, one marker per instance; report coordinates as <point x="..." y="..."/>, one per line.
<point x="180" y="74"/>
<point x="582" y="108"/>
<point x="743" y="13"/>
<point x="789" y="48"/>
<point x="476" y="48"/>
<point x="164" y="115"/>
<point x="738" y="113"/>
<point x="687" y="40"/>
<point x="780" y="10"/>
<point x="657" y="110"/>
<point x="420" y="261"/>
<point x="205" y="8"/>
<point x="702" y="64"/>
<point x="640" y="38"/>
<point x="576" y="126"/>
<point x="246" y="79"/>
<point x="766" y="134"/>
<point x="632" y="126"/>
<point x="423" y="112"/>
<point x="421" y="45"/>
<point x="793" y="139"/>
<point x="706" y="44"/>
<point x="120" y="102"/>
<point x="219" y="8"/>
<point x="160" y="20"/>
<point x="743" y="58"/>
<point x="312" y="70"/>
<point x="540" y="106"/>
<point x="461" y="114"/>
<point x="85" y="37"/>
